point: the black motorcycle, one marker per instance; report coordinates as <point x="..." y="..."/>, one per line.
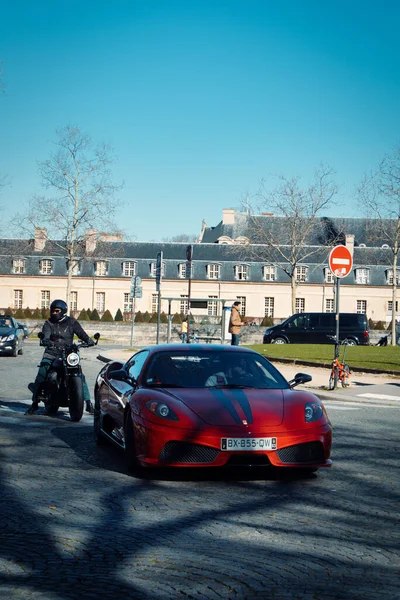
<point x="63" y="385"/>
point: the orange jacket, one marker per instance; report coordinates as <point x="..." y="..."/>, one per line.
<point x="235" y="322"/>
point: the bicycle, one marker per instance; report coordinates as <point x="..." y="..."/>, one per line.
<point x="340" y="370"/>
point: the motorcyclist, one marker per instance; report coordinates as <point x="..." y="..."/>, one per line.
<point x="58" y="333"/>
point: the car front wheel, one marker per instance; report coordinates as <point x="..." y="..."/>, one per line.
<point x="279" y="340"/>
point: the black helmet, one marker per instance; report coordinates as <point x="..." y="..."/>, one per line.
<point x="57" y="315"/>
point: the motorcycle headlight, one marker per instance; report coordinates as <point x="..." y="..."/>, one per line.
<point x="73" y="359"/>
<point x="312" y="412"/>
<point x="10" y="337"/>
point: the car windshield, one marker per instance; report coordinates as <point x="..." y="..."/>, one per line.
<point x="210" y="369"/>
<point x="5" y="322"/>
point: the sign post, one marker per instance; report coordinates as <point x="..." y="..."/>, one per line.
<point x="135" y="292"/>
<point x="340" y="264"/>
<point x="158" y="288"/>
<point x="189" y="258"/>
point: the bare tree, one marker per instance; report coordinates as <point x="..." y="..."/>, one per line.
<point x="182" y="237"/>
<point x="298" y="230"/>
<point x="80" y="195"/>
<point x="379" y="197"/>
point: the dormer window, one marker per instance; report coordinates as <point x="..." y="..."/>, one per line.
<point x="389" y="277"/>
<point x="182" y="271"/>
<point x="329" y="277"/>
<point x="301" y="274"/>
<point x="153" y="269"/>
<point x="101" y="268"/>
<point x="213" y="271"/>
<point x="46" y="266"/>
<point x="269" y="273"/>
<point x="241" y="272"/>
<point x="129" y="268"/>
<point x="18" y="265"/>
<point x="362" y="276"/>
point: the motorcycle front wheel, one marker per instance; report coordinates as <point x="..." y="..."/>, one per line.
<point x="75" y="393"/>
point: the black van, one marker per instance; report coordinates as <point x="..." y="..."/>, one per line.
<point x="318" y="328"/>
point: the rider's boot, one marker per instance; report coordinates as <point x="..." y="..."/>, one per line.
<point x="34" y="406"/>
<point x="89" y="407"/>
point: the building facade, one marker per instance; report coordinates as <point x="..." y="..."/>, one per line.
<point x="33" y="272"/>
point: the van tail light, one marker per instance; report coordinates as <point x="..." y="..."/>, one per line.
<point x="366" y="334"/>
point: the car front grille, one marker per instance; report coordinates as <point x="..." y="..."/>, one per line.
<point x="311" y="452"/>
<point x="185" y="453"/>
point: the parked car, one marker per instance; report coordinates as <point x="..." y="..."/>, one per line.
<point x="11" y="336"/>
<point x="319" y="328"/>
<point x="198" y="405"/>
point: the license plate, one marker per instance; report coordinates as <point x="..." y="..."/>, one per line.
<point x="240" y="444"/>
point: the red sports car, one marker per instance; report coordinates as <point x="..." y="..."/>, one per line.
<point x="193" y="405"/>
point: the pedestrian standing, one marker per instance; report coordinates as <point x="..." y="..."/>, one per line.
<point x="184" y="329"/>
<point x="235" y="323"/>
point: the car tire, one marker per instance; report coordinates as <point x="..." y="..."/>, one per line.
<point x="350" y="342"/>
<point x="21" y="350"/>
<point x="279" y="340"/>
<point x="130" y="450"/>
<point x="14" y="353"/>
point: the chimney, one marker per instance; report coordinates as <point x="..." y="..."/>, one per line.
<point x="111" y="237"/>
<point x="40" y="239"/>
<point x="228" y="216"/>
<point x="350" y="243"/>
<point x="91" y="240"/>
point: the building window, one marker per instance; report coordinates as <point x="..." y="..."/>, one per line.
<point x="100" y="301"/>
<point x="182" y="270"/>
<point x="213" y="271"/>
<point x="362" y="276"/>
<point x="389" y="277"/>
<point x="184" y="306"/>
<point x="127" y="302"/>
<point x="361" y="306"/>
<point x="268" y="307"/>
<point x="242" y="308"/>
<point x="18" y="297"/>
<point x="241" y="272"/>
<point x="390" y="306"/>
<point x="269" y="273"/>
<point x="100" y="268"/>
<point x="154" y="303"/>
<point x="18" y="265"/>
<point x="45" y="299"/>
<point x="153" y="269"/>
<point x="300" y="305"/>
<point x="46" y="267"/>
<point x="329" y="277"/>
<point x="301" y="275"/>
<point x="129" y="268"/>
<point x="329" y="305"/>
<point x="73" y="301"/>
<point x="212" y="307"/>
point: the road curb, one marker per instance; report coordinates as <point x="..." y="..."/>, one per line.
<point x="309" y="363"/>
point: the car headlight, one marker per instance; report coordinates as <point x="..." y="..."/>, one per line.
<point x="313" y="411"/>
<point x="10" y="337"/>
<point x="73" y="359"/>
<point x="161" y="410"/>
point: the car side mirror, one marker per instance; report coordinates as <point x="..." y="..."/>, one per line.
<point x="96" y="337"/>
<point x="121" y="375"/>
<point x="300" y="378"/>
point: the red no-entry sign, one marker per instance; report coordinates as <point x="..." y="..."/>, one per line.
<point x="340" y="261"/>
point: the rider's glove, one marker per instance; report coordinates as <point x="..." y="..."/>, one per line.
<point x="91" y="342"/>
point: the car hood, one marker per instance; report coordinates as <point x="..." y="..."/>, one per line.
<point x="6" y="331"/>
<point x="223" y="407"/>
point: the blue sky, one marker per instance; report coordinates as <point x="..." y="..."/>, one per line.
<point x="200" y="99"/>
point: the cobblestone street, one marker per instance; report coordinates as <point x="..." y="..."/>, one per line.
<point x="75" y="524"/>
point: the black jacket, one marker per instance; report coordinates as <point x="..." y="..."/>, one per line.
<point x="61" y="334"/>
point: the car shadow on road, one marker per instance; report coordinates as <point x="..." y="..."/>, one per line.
<point x="110" y="458"/>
